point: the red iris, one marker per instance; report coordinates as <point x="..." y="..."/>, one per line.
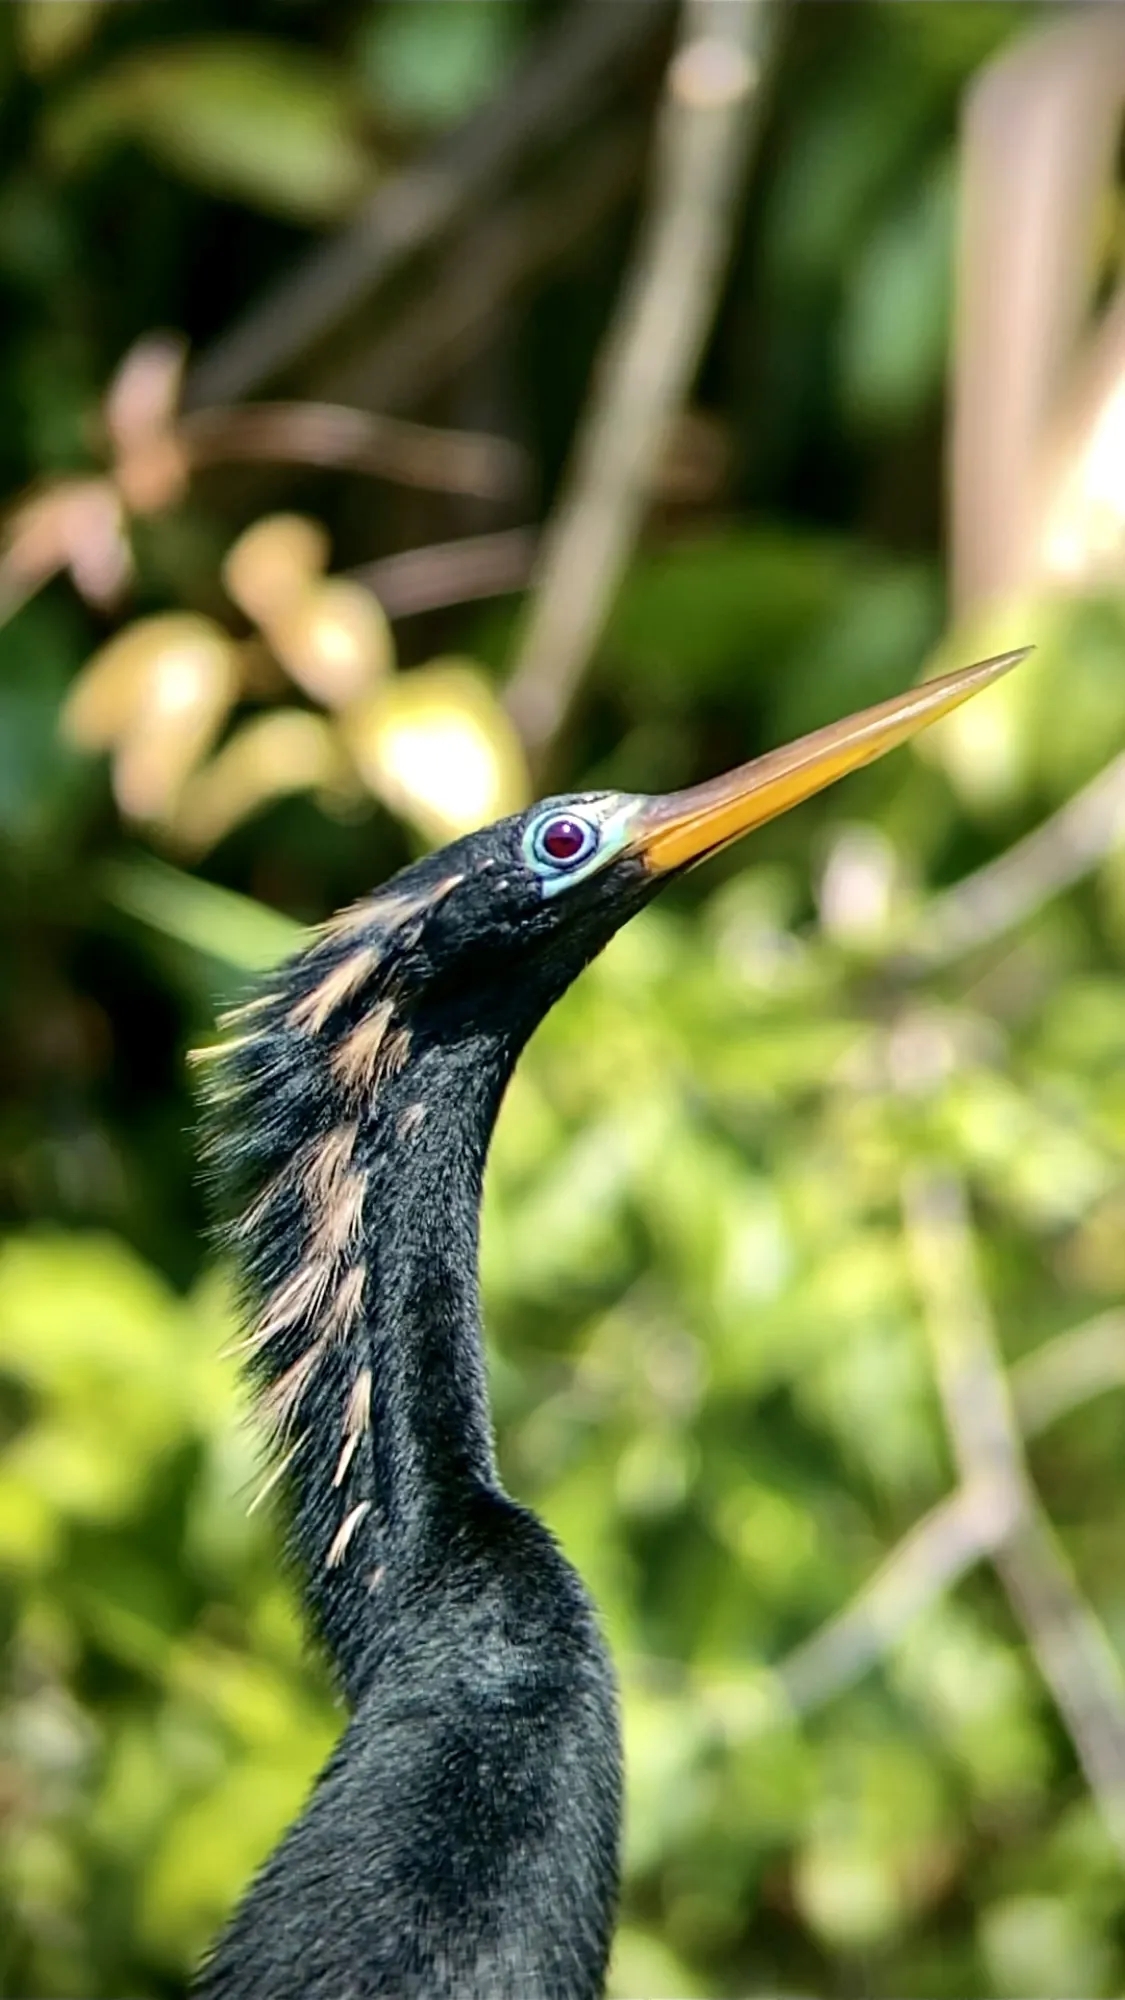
<point x="563" y="839"/>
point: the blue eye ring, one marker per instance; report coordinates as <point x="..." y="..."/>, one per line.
<point x="558" y="842"/>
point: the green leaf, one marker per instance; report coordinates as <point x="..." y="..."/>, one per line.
<point x="762" y="590"/>
<point x="254" y="120"/>
<point x="50" y="32"/>
<point x="895" y="329"/>
<point x="437" y="63"/>
<point x="217" y="922"/>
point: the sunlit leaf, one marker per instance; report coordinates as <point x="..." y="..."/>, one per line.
<point x="139" y="412"/>
<point x="269" y="757"/>
<point x="273" y="562"/>
<point x="641" y="1963"/>
<point x="156" y="695"/>
<point x="71" y="524"/>
<point x="436" y="746"/>
<point x="1045" y="1944"/>
<point x="334" y="639"/>
<point x="986" y="747"/>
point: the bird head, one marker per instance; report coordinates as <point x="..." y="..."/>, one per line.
<point x="498" y="924"/>
<point x="363" y="1083"/>
<point x="427" y="990"/>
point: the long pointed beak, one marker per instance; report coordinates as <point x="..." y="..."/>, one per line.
<point x="686" y="826"/>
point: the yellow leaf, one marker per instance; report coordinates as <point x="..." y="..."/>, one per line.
<point x="157" y="693"/>
<point x="272" y="563"/>
<point x="334" y="640"/>
<point x="288" y="751"/>
<point x="436" y="746"/>
<point x="985" y="748"/>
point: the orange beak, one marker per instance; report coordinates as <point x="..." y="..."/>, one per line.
<point x="683" y="827"/>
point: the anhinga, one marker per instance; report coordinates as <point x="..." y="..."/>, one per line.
<point x="461" y="1842"/>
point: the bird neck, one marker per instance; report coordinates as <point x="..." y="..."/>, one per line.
<point x="431" y="1427"/>
<point x="393" y="1428"/>
<point x="350" y="1137"/>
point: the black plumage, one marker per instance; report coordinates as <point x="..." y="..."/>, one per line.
<point x="462" y="1841"/>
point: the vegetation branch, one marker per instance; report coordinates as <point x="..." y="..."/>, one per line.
<point x="962" y="1529"/>
<point x="650" y="353"/>
<point x="1074" y="1655"/>
<point x="574" y="65"/>
<point x="991" y="902"/>
<point x="454" y="572"/>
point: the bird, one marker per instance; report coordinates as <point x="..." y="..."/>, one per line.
<point x="461" y="1842"/>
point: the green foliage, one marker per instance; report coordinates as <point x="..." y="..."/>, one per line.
<point x="430" y="65"/>
<point x="708" y="1346"/>
<point x="245" y="119"/>
<point x="711" y="1379"/>
<point x="163" y="1720"/>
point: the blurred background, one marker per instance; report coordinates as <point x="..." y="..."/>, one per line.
<point x="406" y="409"/>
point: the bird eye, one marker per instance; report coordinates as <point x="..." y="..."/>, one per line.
<point x="559" y="841"/>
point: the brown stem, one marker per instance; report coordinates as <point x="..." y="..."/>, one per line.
<point x="1074" y="1655"/>
<point x="332" y="435"/>
<point x="450" y="572"/>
